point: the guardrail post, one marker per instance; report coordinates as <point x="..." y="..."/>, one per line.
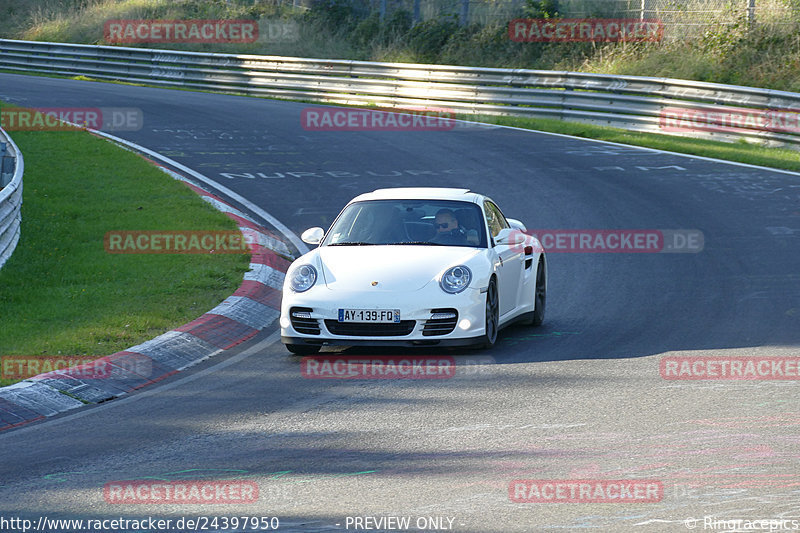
<point x="6" y="166"/>
<point x="6" y="170"/>
<point x="751" y="12"/>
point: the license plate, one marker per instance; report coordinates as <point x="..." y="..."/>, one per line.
<point x="380" y="316"/>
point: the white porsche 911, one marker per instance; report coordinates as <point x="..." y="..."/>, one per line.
<point x="414" y="267"/>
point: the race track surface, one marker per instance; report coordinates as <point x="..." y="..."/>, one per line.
<point x="581" y="397"/>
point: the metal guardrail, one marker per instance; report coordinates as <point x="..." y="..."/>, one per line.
<point x="630" y="102"/>
<point x="11" y="169"/>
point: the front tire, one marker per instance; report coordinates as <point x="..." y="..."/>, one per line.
<point x="492" y="320"/>
<point x="540" y="295"/>
<point x="302" y="349"/>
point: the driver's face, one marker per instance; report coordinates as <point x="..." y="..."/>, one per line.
<point x="445" y="223"/>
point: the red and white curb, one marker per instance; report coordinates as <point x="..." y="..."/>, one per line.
<point x="254" y="306"/>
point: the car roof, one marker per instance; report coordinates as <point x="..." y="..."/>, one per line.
<point x="420" y="193"/>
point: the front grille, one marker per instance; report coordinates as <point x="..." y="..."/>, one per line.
<point x="358" y="329"/>
<point x="308" y="326"/>
<point x="440" y="326"/>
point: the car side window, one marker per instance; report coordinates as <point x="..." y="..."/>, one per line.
<point x="494" y="218"/>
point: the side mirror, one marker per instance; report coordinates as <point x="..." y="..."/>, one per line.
<point x="313" y="235"/>
<point x="510" y="237"/>
<point x="516" y="224"/>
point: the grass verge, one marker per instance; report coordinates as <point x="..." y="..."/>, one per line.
<point x="62" y="293"/>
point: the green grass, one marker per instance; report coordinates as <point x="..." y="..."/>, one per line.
<point x="82" y="21"/>
<point x="62" y="293"/>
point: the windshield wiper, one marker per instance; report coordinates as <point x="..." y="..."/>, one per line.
<point x="354" y="243"/>
<point x="415" y="243"/>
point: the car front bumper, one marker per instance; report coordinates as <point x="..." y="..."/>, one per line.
<point x="419" y="325"/>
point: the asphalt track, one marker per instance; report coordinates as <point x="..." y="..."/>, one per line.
<point x="579" y="398"/>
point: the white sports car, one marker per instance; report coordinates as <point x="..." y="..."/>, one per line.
<point x="413" y="267"/>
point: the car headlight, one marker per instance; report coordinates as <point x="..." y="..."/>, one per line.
<point x="303" y="278"/>
<point x="456" y="279"/>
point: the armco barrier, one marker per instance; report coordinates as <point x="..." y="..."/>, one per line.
<point x="11" y="169"/>
<point x="716" y="111"/>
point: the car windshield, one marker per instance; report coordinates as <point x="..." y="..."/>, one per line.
<point x="409" y="222"/>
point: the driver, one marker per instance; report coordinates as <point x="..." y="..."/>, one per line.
<point x="447" y="229"/>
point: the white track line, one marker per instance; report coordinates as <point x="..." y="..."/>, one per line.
<point x="667" y="152"/>
<point x="289" y="234"/>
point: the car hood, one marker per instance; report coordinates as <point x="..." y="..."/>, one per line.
<point x="393" y="267"/>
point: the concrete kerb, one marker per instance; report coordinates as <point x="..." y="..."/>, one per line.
<point x="253" y="307"/>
